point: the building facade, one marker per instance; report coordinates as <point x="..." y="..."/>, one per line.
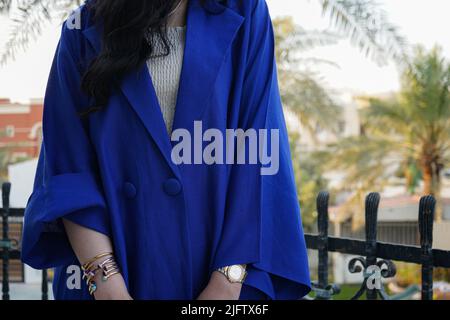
<point x="20" y="129"/>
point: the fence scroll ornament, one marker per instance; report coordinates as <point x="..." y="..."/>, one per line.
<point x="373" y="275"/>
<point x="373" y="270"/>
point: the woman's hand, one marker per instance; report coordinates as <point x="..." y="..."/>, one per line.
<point x="112" y="289"/>
<point x="88" y="243"/>
<point x="219" y="288"/>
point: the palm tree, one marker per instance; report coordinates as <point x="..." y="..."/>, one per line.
<point x="304" y="94"/>
<point x="408" y="132"/>
<point x="367" y="26"/>
<point x="301" y="89"/>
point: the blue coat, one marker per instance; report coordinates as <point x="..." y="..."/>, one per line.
<point x="171" y="225"/>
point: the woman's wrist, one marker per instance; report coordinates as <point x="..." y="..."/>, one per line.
<point x="220" y="282"/>
<point x="103" y="278"/>
<point x="112" y="289"/>
<point x="219" y="288"/>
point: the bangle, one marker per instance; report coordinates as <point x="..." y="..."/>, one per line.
<point x="108" y="267"/>
<point x="88" y="264"/>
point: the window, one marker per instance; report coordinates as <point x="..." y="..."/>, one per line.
<point x="10" y="131"/>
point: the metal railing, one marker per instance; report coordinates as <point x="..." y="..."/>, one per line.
<point x="374" y="261"/>
<point x="375" y="258"/>
<point x="10" y="248"/>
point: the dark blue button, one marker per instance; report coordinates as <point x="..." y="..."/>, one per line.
<point x="129" y="189"/>
<point x="172" y="187"/>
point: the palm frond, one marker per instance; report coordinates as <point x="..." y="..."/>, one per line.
<point x="27" y="23"/>
<point x="369" y="29"/>
<point x="5" y="5"/>
<point x="291" y="40"/>
<point x="28" y="19"/>
<point x="313" y="104"/>
<point x="309" y="39"/>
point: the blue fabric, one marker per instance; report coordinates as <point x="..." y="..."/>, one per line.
<point x="171" y="225"/>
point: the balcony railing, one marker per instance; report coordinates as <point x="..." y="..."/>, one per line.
<point x="374" y="258"/>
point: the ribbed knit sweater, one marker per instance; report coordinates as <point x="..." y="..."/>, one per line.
<point x="165" y="71"/>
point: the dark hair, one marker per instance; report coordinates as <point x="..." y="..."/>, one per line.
<point x="127" y="28"/>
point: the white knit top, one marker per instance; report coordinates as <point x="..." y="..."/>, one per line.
<point x="165" y="71"/>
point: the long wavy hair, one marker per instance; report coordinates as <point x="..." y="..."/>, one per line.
<point x="128" y="29"/>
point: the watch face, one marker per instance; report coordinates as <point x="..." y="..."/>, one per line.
<point x="235" y="272"/>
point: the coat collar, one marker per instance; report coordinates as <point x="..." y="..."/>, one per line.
<point x="208" y="38"/>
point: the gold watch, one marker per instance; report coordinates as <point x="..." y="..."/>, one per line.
<point x="235" y="273"/>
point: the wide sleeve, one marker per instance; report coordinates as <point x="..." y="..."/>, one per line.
<point x="263" y="225"/>
<point x="66" y="182"/>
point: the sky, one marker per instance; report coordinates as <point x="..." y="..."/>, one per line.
<point x="421" y="21"/>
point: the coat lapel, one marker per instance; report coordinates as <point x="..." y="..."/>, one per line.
<point x="208" y="38"/>
<point x="140" y="93"/>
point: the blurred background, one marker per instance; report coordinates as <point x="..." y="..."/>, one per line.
<point x="366" y="91"/>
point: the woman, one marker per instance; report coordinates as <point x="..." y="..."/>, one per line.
<point x="115" y="210"/>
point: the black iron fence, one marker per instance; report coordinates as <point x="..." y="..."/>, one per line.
<point x="374" y="259"/>
<point x="10" y="248"/>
